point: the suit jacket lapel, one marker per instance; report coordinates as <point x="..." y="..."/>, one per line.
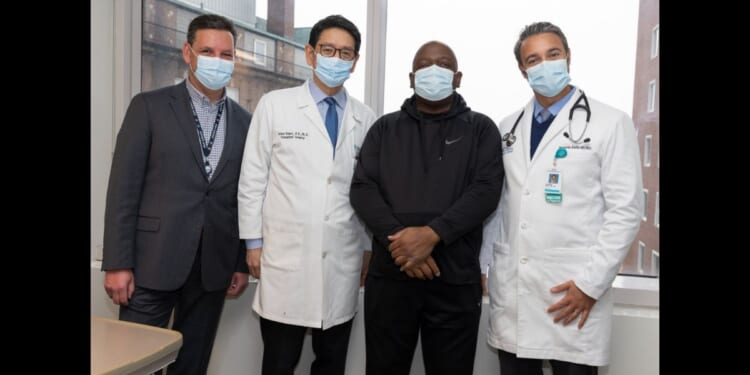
<point x="181" y="107"/>
<point x="228" y="140"/>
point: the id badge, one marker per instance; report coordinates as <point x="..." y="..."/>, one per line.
<point x="553" y="186"/>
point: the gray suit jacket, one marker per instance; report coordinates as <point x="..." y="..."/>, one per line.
<point x="159" y="198"/>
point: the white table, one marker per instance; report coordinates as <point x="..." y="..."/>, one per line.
<point x="119" y="348"/>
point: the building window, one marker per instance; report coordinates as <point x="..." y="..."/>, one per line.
<point x="656" y="210"/>
<point x="641" y="253"/>
<point x="655" y="263"/>
<point x="647" y="151"/>
<point x="645" y="204"/>
<point x="655" y="42"/>
<point x="651" y="95"/>
<point x="259" y="52"/>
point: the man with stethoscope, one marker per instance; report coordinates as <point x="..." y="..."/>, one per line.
<point x="570" y="208"/>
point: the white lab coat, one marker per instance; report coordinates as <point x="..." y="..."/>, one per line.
<point x="294" y="195"/>
<point x="584" y="238"/>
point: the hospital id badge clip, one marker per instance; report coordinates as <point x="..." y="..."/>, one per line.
<point x="553" y="186"/>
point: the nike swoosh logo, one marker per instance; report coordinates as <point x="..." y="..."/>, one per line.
<point x="447" y="142"/>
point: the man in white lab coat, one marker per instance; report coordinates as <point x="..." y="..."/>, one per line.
<point x="304" y="242"/>
<point x="570" y="208"/>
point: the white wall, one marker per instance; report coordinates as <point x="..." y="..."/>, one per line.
<point x="238" y="348"/>
<point x="102" y="73"/>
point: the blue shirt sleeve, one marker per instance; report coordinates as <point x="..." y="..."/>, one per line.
<point x="254" y="243"/>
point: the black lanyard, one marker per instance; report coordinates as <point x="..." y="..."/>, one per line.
<point x="207" y="147"/>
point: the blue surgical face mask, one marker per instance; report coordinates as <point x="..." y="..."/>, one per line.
<point x="213" y="72"/>
<point x="332" y="71"/>
<point x="549" y="77"/>
<point x="433" y="83"/>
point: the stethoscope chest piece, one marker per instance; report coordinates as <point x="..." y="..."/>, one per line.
<point x="509" y="139"/>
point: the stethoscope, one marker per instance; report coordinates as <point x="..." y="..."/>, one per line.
<point x="510" y="138"/>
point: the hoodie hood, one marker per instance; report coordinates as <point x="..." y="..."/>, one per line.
<point x="457" y="107"/>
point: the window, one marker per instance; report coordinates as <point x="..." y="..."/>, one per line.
<point x="656" y="210"/>
<point x="651" y="95"/>
<point x="641" y="253"/>
<point x="259" y="52"/>
<point x="645" y="204"/>
<point x="655" y="263"/>
<point x="655" y="42"/>
<point x="501" y="23"/>
<point x="647" y="151"/>
<point x="265" y="60"/>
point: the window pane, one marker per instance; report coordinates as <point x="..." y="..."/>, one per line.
<point x="647" y="151"/>
<point x="269" y="50"/>
<point x="655" y="42"/>
<point x="641" y="257"/>
<point x="483" y="33"/>
<point x="651" y="95"/>
<point x="656" y="210"/>
<point x="260" y="52"/>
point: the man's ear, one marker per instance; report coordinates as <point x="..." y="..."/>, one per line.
<point x="457" y="79"/>
<point x="310" y="55"/>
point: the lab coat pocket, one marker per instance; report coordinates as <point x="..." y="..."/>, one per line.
<point x="501" y="276"/>
<point x="561" y="264"/>
<point x="348" y="252"/>
<point x="342" y="177"/>
<point x="501" y="286"/>
<point x="282" y="245"/>
<point x="579" y="167"/>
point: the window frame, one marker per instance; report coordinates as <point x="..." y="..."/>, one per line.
<point x="655" y="42"/>
<point x="260" y="59"/>
<point x="651" y="105"/>
<point x="656" y="210"/>
<point x="640" y="256"/>
<point x="655" y="262"/>
<point x="647" y="144"/>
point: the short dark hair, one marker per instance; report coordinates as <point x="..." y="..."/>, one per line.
<point x="538" y="28"/>
<point x="210" y="21"/>
<point x="335" y="21"/>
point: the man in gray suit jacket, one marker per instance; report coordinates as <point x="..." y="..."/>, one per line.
<point x="171" y="238"/>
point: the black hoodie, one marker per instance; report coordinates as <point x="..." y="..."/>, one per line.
<point x="443" y="170"/>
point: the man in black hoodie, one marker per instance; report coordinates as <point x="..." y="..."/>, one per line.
<point x="428" y="175"/>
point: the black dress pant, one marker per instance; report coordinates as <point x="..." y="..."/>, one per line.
<point x="282" y="346"/>
<point x="196" y="317"/>
<point x="510" y="364"/>
<point x="398" y="311"/>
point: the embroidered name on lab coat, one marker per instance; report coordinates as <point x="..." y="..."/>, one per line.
<point x="293" y="135"/>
